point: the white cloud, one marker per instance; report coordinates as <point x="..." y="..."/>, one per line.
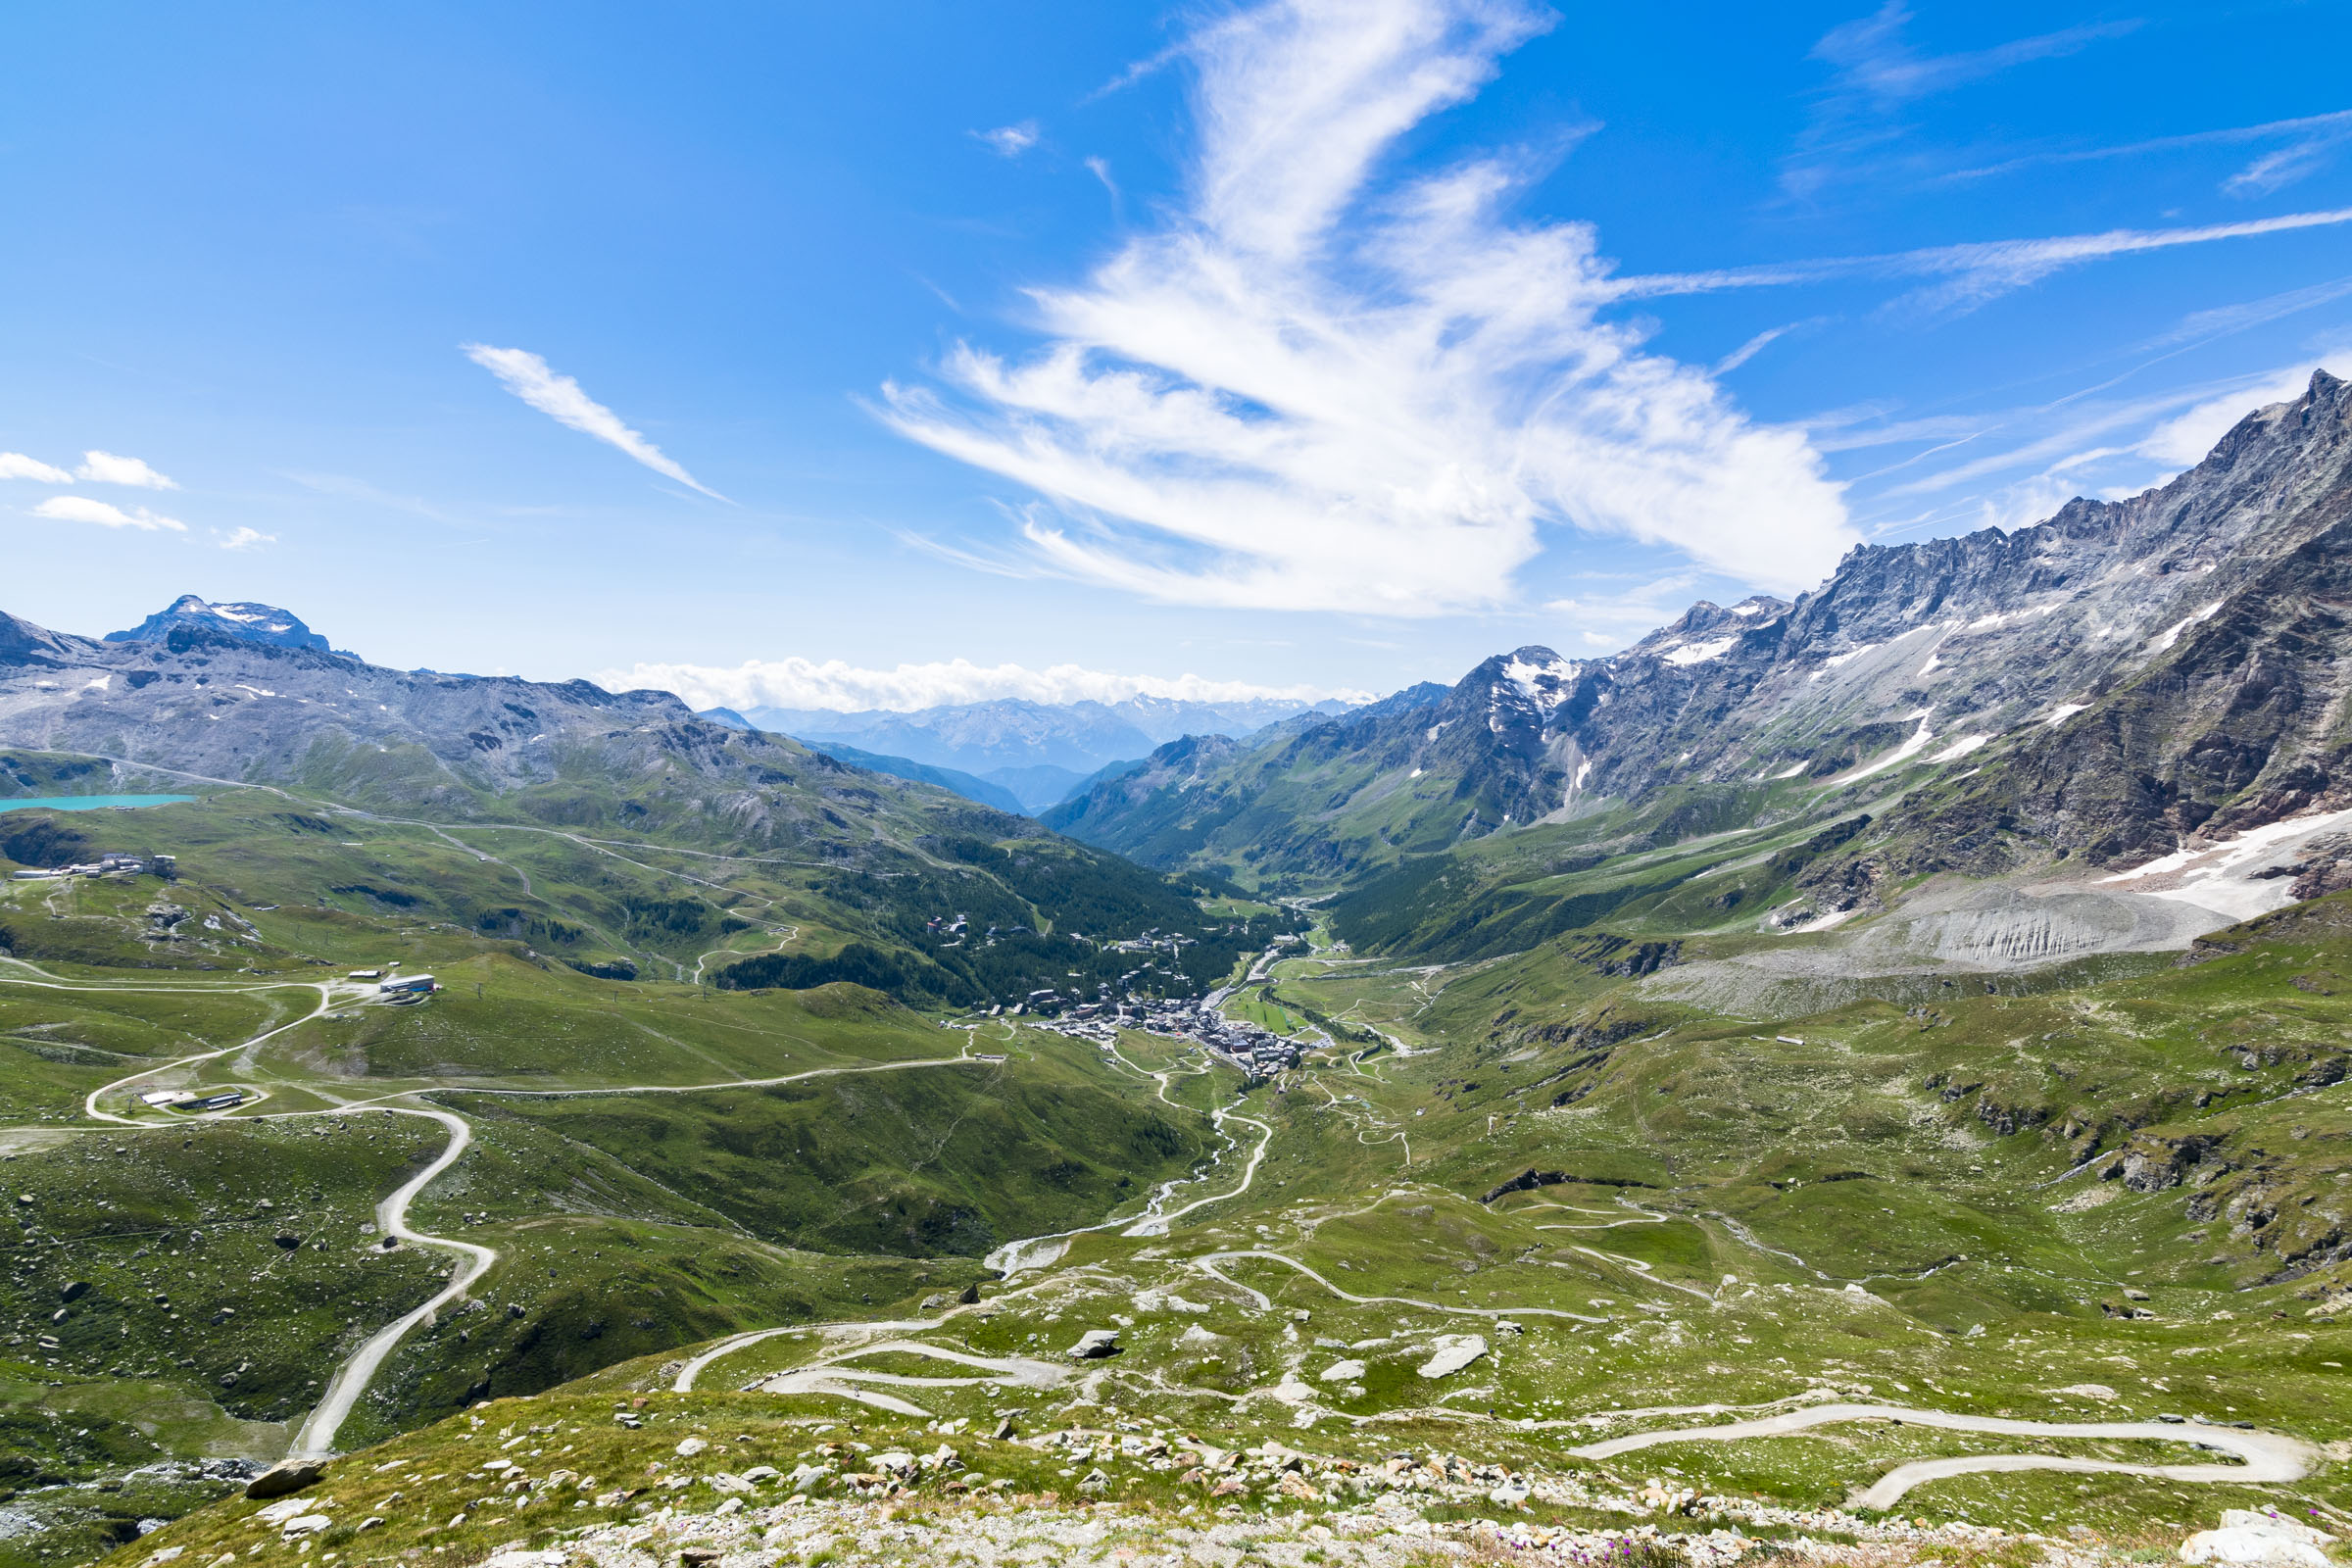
<point x="1010" y="141"/>
<point x="1314" y="390"/>
<point x="103" y="468"/>
<point x="16" y="466"/>
<point x="247" y="539"/>
<point x="840" y="687"/>
<point x="105" y="513"/>
<point x="560" y="397"/>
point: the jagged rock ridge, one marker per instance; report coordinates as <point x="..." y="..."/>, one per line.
<point x="2102" y="683"/>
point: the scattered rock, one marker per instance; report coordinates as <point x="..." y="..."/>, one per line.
<point x="2250" y="1540"/>
<point x="1453" y="1351"/>
<point x="1096" y="1345"/>
<point x="688" y="1448"/>
<point x="2087" y="1391"/>
<point x="287" y="1477"/>
<point x="1341" y="1372"/>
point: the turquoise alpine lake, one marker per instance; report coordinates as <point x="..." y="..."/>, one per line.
<point x="90" y="802"/>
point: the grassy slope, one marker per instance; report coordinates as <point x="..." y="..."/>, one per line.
<point x="611" y="1253"/>
<point x="1876" y="1199"/>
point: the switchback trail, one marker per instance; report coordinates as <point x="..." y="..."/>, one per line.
<point x="2268" y="1456"/>
<point x="1207" y="1263"/>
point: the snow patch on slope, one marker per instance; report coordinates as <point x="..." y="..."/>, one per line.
<point x="1912" y="745"/>
<point x="2172" y="635"/>
<point x="1700" y="653"/>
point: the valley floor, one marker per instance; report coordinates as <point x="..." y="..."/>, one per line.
<point x="1524" y="1257"/>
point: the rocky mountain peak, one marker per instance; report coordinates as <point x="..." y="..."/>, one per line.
<point x="241" y="618"/>
<point x="2102" y="682"/>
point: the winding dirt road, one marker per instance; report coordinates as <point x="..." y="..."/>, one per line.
<point x="317" y="1439"/>
<point x="2268" y="1456"/>
<point x="1207" y="1263"/>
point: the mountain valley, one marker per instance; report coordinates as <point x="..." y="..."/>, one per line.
<point x="1859" y="1080"/>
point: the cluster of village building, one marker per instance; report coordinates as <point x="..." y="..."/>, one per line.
<point x="1255" y="1049"/>
<point x="111" y="863"/>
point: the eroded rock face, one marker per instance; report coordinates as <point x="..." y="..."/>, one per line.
<point x="2154" y="1163"/>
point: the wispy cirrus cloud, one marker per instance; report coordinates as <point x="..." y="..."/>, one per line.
<point x="1876" y="61"/>
<point x="106" y="515"/>
<point x="559" y="397"/>
<point x="245" y="538"/>
<point x="837" y="686"/>
<point x="2222" y="321"/>
<point x="2309" y="141"/>
<point x="1875" y="73"/>
<point x="104" y="467"/>
<point x="1315" y="387"/>
<point x="1973" y="273"/>
<point x="16" y="466"/>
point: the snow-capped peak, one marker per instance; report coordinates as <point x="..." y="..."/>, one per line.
<point x="252" y="622"/>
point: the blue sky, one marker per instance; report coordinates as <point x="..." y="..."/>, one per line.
<point x="836" y="355"/>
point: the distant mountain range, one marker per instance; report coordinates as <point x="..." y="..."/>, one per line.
<point x="870" y="866"/>
<point x="1034" y="753"/>
<point x="2102" y="686"/>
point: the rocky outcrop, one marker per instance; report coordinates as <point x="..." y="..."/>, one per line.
<point x="2151" y="1162"/>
